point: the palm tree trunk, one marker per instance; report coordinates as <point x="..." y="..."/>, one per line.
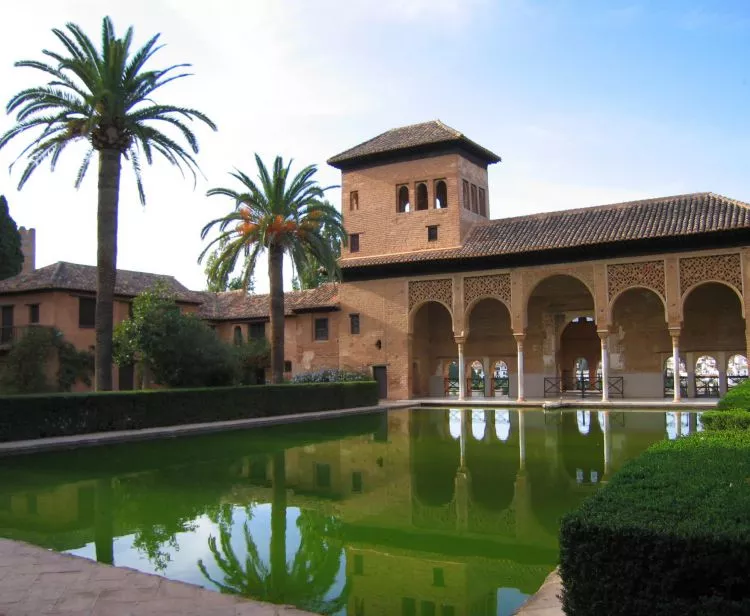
<point x="278" y="528"/>
<point x="106" y="264"/>
<point x="275" y="274"/>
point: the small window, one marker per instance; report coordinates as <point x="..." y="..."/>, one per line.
<point x="323" y="475"/>
<point x="482" y="203"/>
<point x="421" y="196"/>
<point x="237" y="335"/>
<point x="356" y="481"/>
<point x="408" y="607"/>
<point x="428" y="608"/>
<point x="257" y="331"/>
<point x="432" y="233"/>
<point x="33" y="313"/>
<point x="438" y="577"/>
<point x="321" y="329"/>
<point x="359" y="564"/>
<point x="287" y="366"/>
<point x="86" y="311"/>
<point x="353" y="200"/>
<point x="354" y="324"/>
<point x="402" y="199"/>
<point x="447" y="610"/>
<point x="354" y="242"/>
<point x="130" y="310"/>
<point x="441" y="195"/>
<point x="474" y="207"/>
<point x="467" y="203"/>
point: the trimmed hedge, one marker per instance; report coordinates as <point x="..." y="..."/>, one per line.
<point x="669" y="535"/>
<point x="726" y="420"/>
<point x="736" y="398"/>
<point x="40" y="416"/>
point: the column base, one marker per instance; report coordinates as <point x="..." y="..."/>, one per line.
<point x="521" y="399"/>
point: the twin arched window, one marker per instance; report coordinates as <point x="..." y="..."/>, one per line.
<point x="421" y="196"/>
<point x="402" y="202"/>
<point x="441" y="195"/>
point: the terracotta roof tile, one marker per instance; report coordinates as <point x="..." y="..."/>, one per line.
<point x="680" y="215"/>
<point x="237" y="305"/>
<point x="75" y="277"/>
<point x="410" y="137"/>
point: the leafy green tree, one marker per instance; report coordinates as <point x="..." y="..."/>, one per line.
<point x="11" y="257"/>
<point x="313" y="272"/>
<point x="280" y="214"/>
<point x="104" y="97"/>
<point x="221" y="280"/>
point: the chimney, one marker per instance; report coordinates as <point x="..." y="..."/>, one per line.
<point x="28" y="247"/>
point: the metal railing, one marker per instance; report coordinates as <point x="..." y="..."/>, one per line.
<point x="735" y="379"/>
<point x="669" y="386"/>
<point x="565" y="385"/>
<point x="450" y="386"/>
<point x="707" y="387"/>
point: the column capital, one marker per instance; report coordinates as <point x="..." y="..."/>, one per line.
<point x="460" y="339"/>
<point x="603" y="333"/>
<point x="674" y="331"/>
<point x="520" y="337"/>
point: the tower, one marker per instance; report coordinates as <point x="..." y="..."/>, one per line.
<point x="28" y="248"/>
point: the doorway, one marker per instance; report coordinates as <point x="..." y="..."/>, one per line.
<point x="380" y="373"/>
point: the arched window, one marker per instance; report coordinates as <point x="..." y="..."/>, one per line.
<point x="421" y="196"/>
<point x="477" y="377"/>
<point x="501" y="378"/>
<point x="736" y="370"/>
<point x="402" y="202"/>
<point x="706" y="377"/>
<point x="582" y="372"/>
<point x="237" y="334"/>
<point x="441" y="195"/>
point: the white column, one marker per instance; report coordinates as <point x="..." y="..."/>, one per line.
<point x="604" y="336"/>
<point x="519" y="345"/>
<point x="521" y="439"/>
<point x="461" y="372"/>
<point x="676" y="360"/>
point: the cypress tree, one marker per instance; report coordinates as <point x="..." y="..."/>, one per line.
<point x="11" y="256"/>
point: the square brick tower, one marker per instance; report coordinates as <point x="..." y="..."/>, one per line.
<point x="419" y="187"/>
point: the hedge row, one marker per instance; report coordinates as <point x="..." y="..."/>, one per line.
<point x="670" y="534"/>
<point x="734" y="419"/>
<point x="40" y="416"/>
<point x="736" y="398"/>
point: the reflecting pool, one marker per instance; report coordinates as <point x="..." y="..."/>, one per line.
<point x="425" y="511"/>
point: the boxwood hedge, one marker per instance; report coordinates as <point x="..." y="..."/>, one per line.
<point x="726" y="420"/>
<point x="736" y="398"/>
<point x="39" y="416"/>
<point x="669" y="535"/>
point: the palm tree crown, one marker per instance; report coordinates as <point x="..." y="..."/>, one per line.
<point x="281" y="214"/>
<point x="105" y="98"/>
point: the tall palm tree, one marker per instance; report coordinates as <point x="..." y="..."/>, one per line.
<point x="281" y="214"/>
<point x="104" y="97"/>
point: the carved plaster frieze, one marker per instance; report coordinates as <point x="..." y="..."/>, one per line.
<point x="648" y="274"/>
<point x="718" y="268"/>
<point x="438" y="290"/>
<point x="495" y="285"/>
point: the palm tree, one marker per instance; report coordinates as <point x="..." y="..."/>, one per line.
<point x="103" y="97"/>
<point x="282" y="215"/>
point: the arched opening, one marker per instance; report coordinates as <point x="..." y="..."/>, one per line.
<point x="421" y="196"/>
<point x="581" y="373"/>
<point x="434" y="459"/>
<point x="402" y="199"/>
<point x="669" y="377"/>
<point x="639" y="342"/>
<point x="712" y="326"/>
<point x="441" y="195"/>
<point x="450" y="381"/>
<point x="500" y="379"/>
<point x="491" y="336"/>
<point x="580" y="350"/>
<point x="237" y="335"/>
<point x="432" y="349"/>
<point x="476" y="379"/>
<point x="583" y="447"/>
<point x="736" y="370"/>
<point x="556" y="303"/>
<point x="678" y="424"/>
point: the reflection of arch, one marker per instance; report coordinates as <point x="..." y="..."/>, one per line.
<point x="493" y="467"/>
<point x="502" y="424"/>
<point x="583" y="419"/>
<point x="434" y="461"/>
<point x="454" y="423"/>
<point x="636" y="287"/>
<point x="441" y="195"/>
<point x="421" y="196"/>
<point x="723" y="283"/>
<point x="478" y="424"/>
<point x="582" y="444"/>
<point x="677" y="424"/>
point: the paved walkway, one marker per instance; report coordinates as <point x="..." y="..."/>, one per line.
<point x="546" y="601"/>
<point x="35" y="581"/>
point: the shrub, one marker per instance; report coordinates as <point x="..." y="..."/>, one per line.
<point x="39" y="416"/>
<point x="736" y="398"/>
<point x="670" y="534"/>
<point x="733" y="419"/>
<point x="331" y="375"/>
<point x="249" y="357"/>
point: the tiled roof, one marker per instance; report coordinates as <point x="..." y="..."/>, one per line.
<point x="75" y="277"/>
<point x="677" y="216"/>
<point x="237" y="305"/>
<point x="411" y="137"/>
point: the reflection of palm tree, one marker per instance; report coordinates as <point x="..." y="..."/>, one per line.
<point x="305" y="581"/>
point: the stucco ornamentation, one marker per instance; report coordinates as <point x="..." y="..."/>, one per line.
<point x="438" y="290"/>
<point x="648" y="274"/>
<point x="720" y="268"/>
<point x="497" y="285"/>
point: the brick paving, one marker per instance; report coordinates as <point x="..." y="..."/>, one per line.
<point x="35" y="581"/>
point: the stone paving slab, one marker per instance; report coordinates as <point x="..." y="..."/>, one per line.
<point x="546" y="601"/>
<point x="35" y="582"/>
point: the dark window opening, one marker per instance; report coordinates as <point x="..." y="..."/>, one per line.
<point x="257" y="331"/>
<point x="467" y="203"/>
<point x="432" y="233"/>
<point x="441" y="195"/>
<point x="474" y="206"/>
<point x="33" y="313"/>
<point x="237" y="335"/>
<point x="321" y="329"/>
<point x="447" y="610"/>
<point x="354" y="324"/>
<point x="402" y="199"/>
<point x="86" y="311"/>
<point x="356" y="481"/>
<point x="354" y="200"/>
<point x="408" y="607"/>
<point x="428" y="608"/>
<point x="421" y="196"/>
<point x="359" y="607"/>
<point x="258" y="471"/>
<point x="438" y="577"/>
<point x="31" y="504"/>
<point x="323" y="475"/>
<point x="359" y="564"/>
<point x="130" y="310"/>
<point x="287" y="366"/>
<point x="354" y="242"/>
<point x="482" y="203"/>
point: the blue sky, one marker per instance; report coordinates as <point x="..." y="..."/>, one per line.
<point x="588" y="102"/>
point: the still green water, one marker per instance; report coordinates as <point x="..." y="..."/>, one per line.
<point x="426" y="511"/>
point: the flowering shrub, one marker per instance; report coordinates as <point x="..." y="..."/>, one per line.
<point x="331" y="375"/>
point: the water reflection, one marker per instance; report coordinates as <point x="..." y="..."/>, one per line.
<point x="420" y="511"/>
